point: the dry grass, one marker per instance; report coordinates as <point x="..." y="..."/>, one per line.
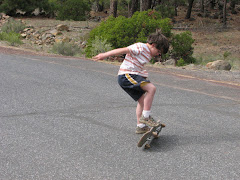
<point x="211" y="40"/>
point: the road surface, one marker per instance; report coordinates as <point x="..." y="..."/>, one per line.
<point x="67" y="118"/>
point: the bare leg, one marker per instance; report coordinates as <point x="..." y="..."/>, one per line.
<point x="139" y="109"/>
<point x="145" y="102"/>
<point x="148" y="99"/>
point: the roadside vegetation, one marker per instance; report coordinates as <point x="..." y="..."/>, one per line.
<point x="10" y="32"/>
<point x="126" y="22"/>
<point x="66" y="49"/>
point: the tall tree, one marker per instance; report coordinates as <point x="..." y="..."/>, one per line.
<point x="202" y="5"/>
<point x="189" y="11"/>
<point x="129" y="7"/>
<point x="145" y="5"/>
<point x="213" y="3"/>
<point x="233" y="5"/>
<point x="141" y="5"/>
<point x="113" y="7"/>
<point x="134" y="7"/>
<point x="225" y="14"/>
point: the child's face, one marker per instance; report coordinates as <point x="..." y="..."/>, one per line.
<point x="154" y="51"/>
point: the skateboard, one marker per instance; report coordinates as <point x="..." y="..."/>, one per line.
<point x="148" y="137"/>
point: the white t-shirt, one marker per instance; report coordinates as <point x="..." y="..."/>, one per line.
<point x="135" y="60"/>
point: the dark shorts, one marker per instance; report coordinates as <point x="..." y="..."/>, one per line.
<point x="132" y="83"/>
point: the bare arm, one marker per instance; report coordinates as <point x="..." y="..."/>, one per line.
<point x="114" y="52"/>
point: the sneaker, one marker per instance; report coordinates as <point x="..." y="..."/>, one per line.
<point x="142" y="130"/>
<point x="149" y="121"/>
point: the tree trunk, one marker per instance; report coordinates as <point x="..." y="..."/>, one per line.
<point x="144" y="5"/>
<point x="213" y="3"/>
<point x="225" y="14"/>
<point x="141" y="5"/>
<point x="202" y="5"/>
<point x="113" y="8"/>
<point x="129" y="7"/>
<point x="190" y="4"/>
<point x="134" y="7"/>
<point x="149" y="4"/>
<point x="175" y="7"/>
<point x="153" y="4"/>
<point x="233" y="5"/>
<point x="97" y="6"/>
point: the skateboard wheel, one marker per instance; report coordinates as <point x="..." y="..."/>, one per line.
<point x="155" y="135"/>
<point x="147" y="146"/>
<point x="163" y="125"/>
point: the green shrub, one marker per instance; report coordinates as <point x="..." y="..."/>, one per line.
<point x="100" y="46"/>
<point x="51" y="8"/>
<point x="12" y="37"/>
<point x="122" y="31"/>
<point x="182" y="47"/>
<point x="10" y="7"/>
<point x="73" y="10"/>
<point x="66" y="49"/>
<point x="181" y="62"/>
<point x="226" y="54"/>
<point x="13" y="26"/>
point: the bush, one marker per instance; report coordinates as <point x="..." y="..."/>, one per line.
<point x="182" y="47"/>
<point x="12" y="37"/>
<point x="66" y="49"/>
<point x="100" y="46"/>
<point x="10" y="7"/>
<point x="181" y="62"/>
<point x="13" y="26"/>
<point x="73" y="10"/>
<point x="226" y="54"/>
<point x="122" y="31"/>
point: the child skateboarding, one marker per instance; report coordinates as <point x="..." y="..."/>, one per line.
<point x="133" y="78"/>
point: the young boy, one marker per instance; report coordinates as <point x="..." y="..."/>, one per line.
<point x="132" y="76"/>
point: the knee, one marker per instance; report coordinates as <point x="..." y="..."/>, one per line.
<point x="153" y="89"/>
<point x="150" y="88"/>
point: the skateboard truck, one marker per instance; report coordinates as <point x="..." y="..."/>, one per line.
<point x="148" y="137"/>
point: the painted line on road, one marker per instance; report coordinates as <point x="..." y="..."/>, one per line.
<point x="199" y="92"/>
<point x="202" y="79"/>
<point x="160" y="84"/>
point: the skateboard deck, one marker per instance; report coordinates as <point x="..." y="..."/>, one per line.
<point x="149" y="136"/>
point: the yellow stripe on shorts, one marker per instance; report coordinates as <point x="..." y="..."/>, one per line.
<point x="143" y="83"/>
<point x="131" y="79"/>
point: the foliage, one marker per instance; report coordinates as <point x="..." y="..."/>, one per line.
<point x="12" y="37"/>
<point x="226" y="54"/>
<point x="13" y="26"/>
<point x="182" y="47"/>
<point x="65" y="48"/>
<point x="166" y="10"/>
<point x="122" y="31"/>
<point x="73" y="10"/>
<point x="11" y="6"/>
<point x="100" y="46"/>
<point x="51" y="8"/>
<point x="181" y="62"/>
<point x="10" y="32"/>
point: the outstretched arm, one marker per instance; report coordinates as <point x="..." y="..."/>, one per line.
<point x="114" y="52"/>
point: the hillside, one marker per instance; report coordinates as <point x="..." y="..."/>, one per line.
<point x="212" y="42"/>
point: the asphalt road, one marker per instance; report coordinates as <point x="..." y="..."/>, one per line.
<point x="67" y="118"/>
